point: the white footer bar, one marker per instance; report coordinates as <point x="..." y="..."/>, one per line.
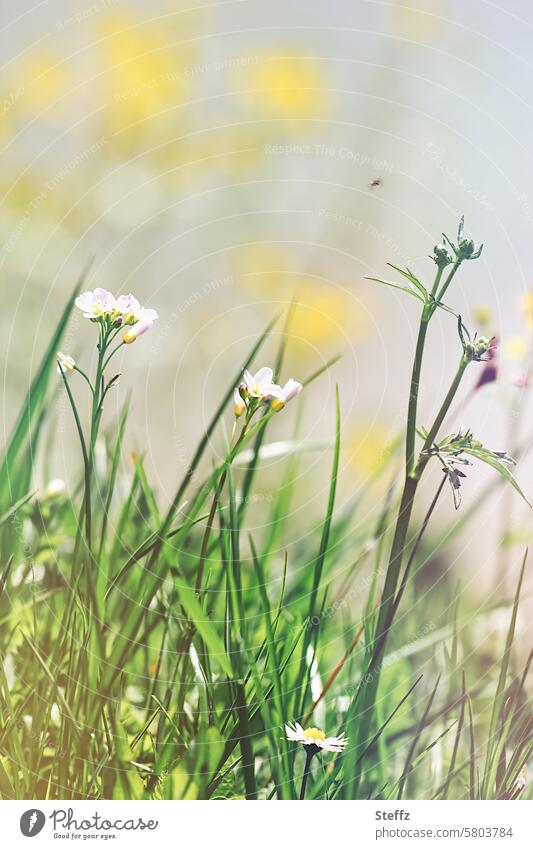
<point x="268" y="825"/>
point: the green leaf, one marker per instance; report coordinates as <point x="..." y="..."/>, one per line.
<point x="16" y="506"/>
<point x="495" y="462"/>
<point x="30" y="420"/>
<point x="204" y="627"/>
<point x="406" y="289"/>
<point x="412" y="279"/>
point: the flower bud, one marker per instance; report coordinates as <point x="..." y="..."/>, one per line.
<point x="442" y="256"/>
<point x="478" y="348"/>
<point x="482" y="345"/>
<point x="65" y="363"/>
<point x="239" y="406"/>
<point x="465" y="248"/>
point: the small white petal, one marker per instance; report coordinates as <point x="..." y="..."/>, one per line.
<point x="126" y="304"/>
<point x="291" y="389"/>
<point x="264" y="375"/>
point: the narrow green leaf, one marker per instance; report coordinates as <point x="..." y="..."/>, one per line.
<point x="492" y="460"/>
<point x="35" y="399"/>
<point x="412" y="279"/>
<point x="399" y="286"/>
<point x="204" y="626"/>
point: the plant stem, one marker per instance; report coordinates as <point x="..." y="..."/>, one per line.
<point x="387" y="608"/>
<point x="455" y="267"/>
<point x="433" y="433"/>
<point x="425" y="318"/>
<point x="413" y="392"/>
<point x="307" y="769"/>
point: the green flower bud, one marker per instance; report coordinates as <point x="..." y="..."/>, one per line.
<point x="466" y="248"/>
<point x="477" y="349"/>
<point x="442" y="256"/>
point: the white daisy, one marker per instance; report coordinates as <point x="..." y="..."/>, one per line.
<point x="315" y="737"/>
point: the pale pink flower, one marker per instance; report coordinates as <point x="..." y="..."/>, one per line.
<point x="129" y="308"/>
<point x="283" y="395"/>
<point x="145" y="320"/>
<point x="97" y="304"/>
<point x="260" y="384"/>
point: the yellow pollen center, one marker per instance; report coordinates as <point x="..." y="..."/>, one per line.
<point x="314" y="734"/>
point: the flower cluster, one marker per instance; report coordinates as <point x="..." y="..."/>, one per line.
<point x="259" y="388"/>
<point x="315" y="738"/>
<point x="125" y="311"/>
<point x="478" y="349"/>
<point x="465" y="247"/>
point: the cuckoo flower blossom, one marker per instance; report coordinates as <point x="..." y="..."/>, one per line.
<point x="260" y="384"/>
<point x="315" y="737"/>
<point x="97" y="304"/>
<point x="129" y="308"/>
<point x="101" y="306"/>
<point x="258" y="388"/>
<point x="283" y="395"/>
<point x="142" y="321"/>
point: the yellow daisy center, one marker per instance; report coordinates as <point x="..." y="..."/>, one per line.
<point x="314" y="734"/>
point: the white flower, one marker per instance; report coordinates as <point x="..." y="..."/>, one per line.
<point x="64" y="363"/>
<point x="145" y="320"/>
<point x="129" y="308"/>
<point x="260" y="387"/>
<point x="54" y="488"/>
<point x="315" y="737"/>
<point x="260" y="384"/>
<point x="283" y="396"/>
<point x="97" y="304"/>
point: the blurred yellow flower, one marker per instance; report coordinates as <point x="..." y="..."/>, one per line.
<point x="526" y="303"/>
<point x="43" y="79"/>
<point x="482" y="316"/>
<point x="289" y="86"/>
<point x="326" y="314"/>
<point x="323" y="316"/>
<point x="368" y="447"/>
<point x="516" y="348"/>
<point x="141" y="77"/>
<point x="253" y="261"/>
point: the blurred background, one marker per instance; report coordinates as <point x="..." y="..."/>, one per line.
<point x="219" y="159"/>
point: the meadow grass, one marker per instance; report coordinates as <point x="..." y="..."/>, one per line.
<point x="158" y="651"/>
